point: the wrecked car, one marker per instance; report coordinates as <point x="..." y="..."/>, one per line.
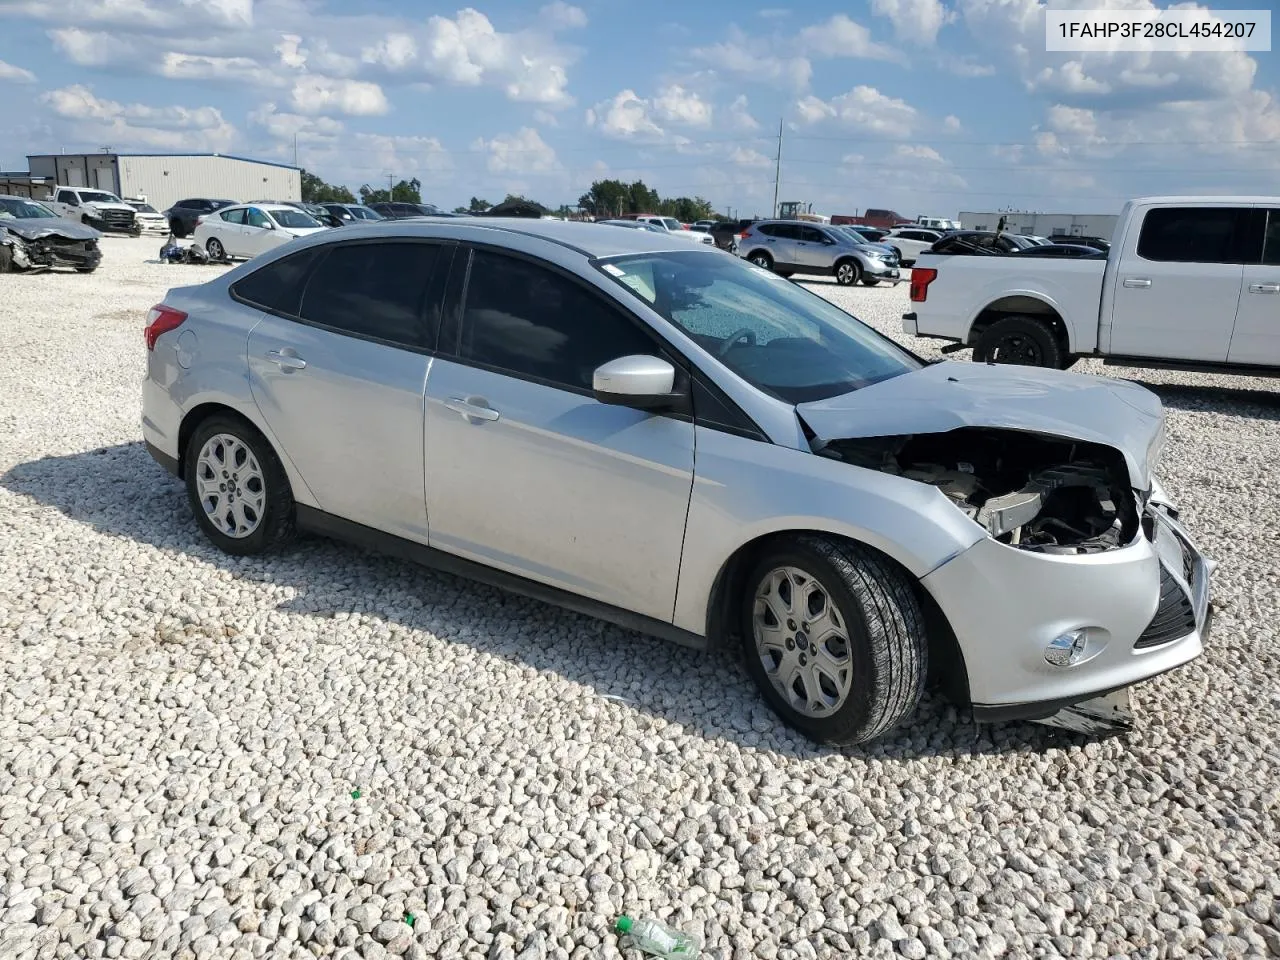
<point x="683" y="443"/>
<point x="33" y="237"/>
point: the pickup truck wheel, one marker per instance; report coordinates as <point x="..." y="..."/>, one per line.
<point x="1025" y="341"/>
<point x="834" y="637"/>
<point x="848" y="272"/>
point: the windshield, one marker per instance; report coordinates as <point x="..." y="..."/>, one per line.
<point x="777" y="336"/>
<point x="98" y="196"/>
<point x="294" y="219"/>
<point x="851" y="235"/>
<point x="143" y="207"/>
<point x="16" y="209"/>
<point x="364" y="213"/>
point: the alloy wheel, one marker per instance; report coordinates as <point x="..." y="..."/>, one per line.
<point x="1019" y="349"/>
<point x="802" y="641"/>
<point x="230" y="485"/>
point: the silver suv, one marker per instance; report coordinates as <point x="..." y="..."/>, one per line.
<point x="676" y="440"/>
<point x="789" y="247"/>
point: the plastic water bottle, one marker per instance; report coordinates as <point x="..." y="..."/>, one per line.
<point x="657" y="939"/>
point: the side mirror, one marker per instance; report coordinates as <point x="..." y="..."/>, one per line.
<point x="268" y="225"/>
<point x="642" y="382"/>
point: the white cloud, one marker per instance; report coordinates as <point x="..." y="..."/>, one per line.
<point x="185" y="66"/>
<point x="89" y="48"/>
<point x="467" y="50"/>
<point x="967" y="67"/>
<point x="139" y="125"/>
<point x="755" y="60"/>
<point x="396" y="51"/>
<point x="624" y="117"/>
<point x="316" y="94"/>
<point x="15" y="74"/>
<point x="1069" y="78"/>
<point x="951" y="123"/>
<point x="740" y="117"/>
<point x="917" y="152"/>
<point x="677" y="105"/>
<point x="842" y="37"/>
<point x="290" y="51"/>
<point x="561" y="15"/>
<point x="747" y="157"/>
<point x="523" y="152"/>
<point x="286" y="126"/>
<point x="865" y="108"/>
<point x="916" y="21"/>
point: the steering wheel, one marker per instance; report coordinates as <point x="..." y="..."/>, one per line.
<point x="745" y="332"/>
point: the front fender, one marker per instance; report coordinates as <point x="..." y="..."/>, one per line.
<point x="746" y="489"/>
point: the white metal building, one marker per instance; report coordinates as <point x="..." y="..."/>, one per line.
<point x="166" y="178"/>
<point x="1045" y="224"/>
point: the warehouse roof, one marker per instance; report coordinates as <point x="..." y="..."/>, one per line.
<point x="226" y="156"/>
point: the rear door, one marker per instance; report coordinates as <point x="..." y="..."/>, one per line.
<point x="1177" y="283"/>
<point x="1256" y="338"/>
<point x="525" y="470"/>
<point x="784" y="237"/>
<point x="339" y="372"/>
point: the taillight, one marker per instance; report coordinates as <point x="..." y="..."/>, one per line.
<point x="160" y="320"/>
<point x="921" y="277"/>
<point x="742" y="235"/>
<point x="202" y="218"/>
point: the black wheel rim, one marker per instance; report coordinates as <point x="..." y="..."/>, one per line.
<point x="1017" y="348"/>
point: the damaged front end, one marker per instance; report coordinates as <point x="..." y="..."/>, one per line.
<point x="1027" y="491"/>
<point x="45" y="249"/>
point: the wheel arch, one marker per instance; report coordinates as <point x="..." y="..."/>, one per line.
<point x="946" y="659"/>
<point x="1021" y="305"/>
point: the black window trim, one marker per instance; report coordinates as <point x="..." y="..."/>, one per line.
<point x="433" y="298"/>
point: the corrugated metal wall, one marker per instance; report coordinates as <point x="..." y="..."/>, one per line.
<point x="165" y="180"/>
<point x="97" y="170"/>
<point x="1045" y="224"/>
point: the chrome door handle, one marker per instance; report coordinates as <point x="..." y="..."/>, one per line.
<point x="1264" y="288"/>
<point x="286" y="361"/>
<point x="472" y="410"/>
<point x="1136" y="282"/>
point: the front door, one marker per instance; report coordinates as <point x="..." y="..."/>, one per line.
<point x="256" y="233"/>
<point x="525" y="470"/>
<point x="229" y="229"/>
<point x="1256" y="339"/>
<point x="1177" y="286"/>
<point x="341" y="386"/>
<point x="812" y="250"/>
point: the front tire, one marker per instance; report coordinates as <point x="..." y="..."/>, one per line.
<point x="1025" y="341"/>
<point x="215" y="249"/>
<point x="834" y="637"/>
<point x="237" y="487"/>
<point x="85" y="269"/>
<point x="848" y="272"/>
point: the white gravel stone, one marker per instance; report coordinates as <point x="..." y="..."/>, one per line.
<point x="181" y="731"/>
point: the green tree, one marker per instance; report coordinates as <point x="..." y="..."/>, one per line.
<point x="688" y="209"/>
<point x="315" y="190"/>
<point x="406" y="191"/>
<point x="606" y="198"/>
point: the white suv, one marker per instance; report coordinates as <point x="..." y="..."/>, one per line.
<point x="910" y="242"/>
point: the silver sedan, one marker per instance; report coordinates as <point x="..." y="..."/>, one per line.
<point x="681" y="442"/>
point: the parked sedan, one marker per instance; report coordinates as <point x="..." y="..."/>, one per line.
<point x="402" y="211"/>
<point x="352" y="212"/>
<point x="247" y="230"/>
<point x="149" y="219"/>
<point x="910" y="241"/>
<point x="853" y="515"/>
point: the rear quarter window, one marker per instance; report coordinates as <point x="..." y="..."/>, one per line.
<point x="277" y="287"/>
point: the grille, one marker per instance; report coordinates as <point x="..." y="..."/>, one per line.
<point x="1174" y="617"/>
<point x="121" y="218"/>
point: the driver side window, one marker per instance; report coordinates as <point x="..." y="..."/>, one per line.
<point x="526" y="320"/>
<point x="69" y="198"/>
<point x="256" y="218"/>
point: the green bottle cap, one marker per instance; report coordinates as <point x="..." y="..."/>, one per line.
<point x="623" y="924"/>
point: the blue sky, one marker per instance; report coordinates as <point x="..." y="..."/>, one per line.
<point x="925" y="106"/>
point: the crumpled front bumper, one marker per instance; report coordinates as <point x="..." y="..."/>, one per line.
<point x="1146" y="607"/>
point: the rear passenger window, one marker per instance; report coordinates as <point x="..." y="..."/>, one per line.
<point x="277" y="287"/>
<point x="1271" y="245"/>
<point x="528" y="320"/>
<point x="1194" y="235"/>
<point x="375" y="290"/>
<point x="233" y="216"/>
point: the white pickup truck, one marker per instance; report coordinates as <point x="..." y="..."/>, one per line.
<point x="95" y="208"/>
<point x="1189" y="283"/>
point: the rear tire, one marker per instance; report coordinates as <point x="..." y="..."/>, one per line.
<point x="237" y="487"/>
<point x="761" y="259"/>
<point x="1025" y="341"/>
<point x="215" y="249"/>
<point x="841" y="653"/>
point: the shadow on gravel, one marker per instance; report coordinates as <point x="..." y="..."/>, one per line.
<point x="1255" y="404"/>
<point x="121" y="492"/>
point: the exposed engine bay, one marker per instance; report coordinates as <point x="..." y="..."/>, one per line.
<point x="45" y="249"/>
<point x="1029" y="491"/>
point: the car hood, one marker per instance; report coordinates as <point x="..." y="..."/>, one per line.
<point x="34" y="228"/>
<point x="953" y="394"/>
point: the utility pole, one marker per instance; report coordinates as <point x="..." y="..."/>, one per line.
<point x="777" y="170"/>
<point x="295" y="149"/>
<point x="390" y="177"/>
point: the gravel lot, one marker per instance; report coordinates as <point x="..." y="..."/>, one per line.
<point x="182" y="734"/>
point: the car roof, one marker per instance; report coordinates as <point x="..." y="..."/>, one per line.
<point x="586" y="238"/>
<point x="269" y="205"/>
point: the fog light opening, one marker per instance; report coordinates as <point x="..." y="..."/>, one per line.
<point x="1068" y="649"/>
